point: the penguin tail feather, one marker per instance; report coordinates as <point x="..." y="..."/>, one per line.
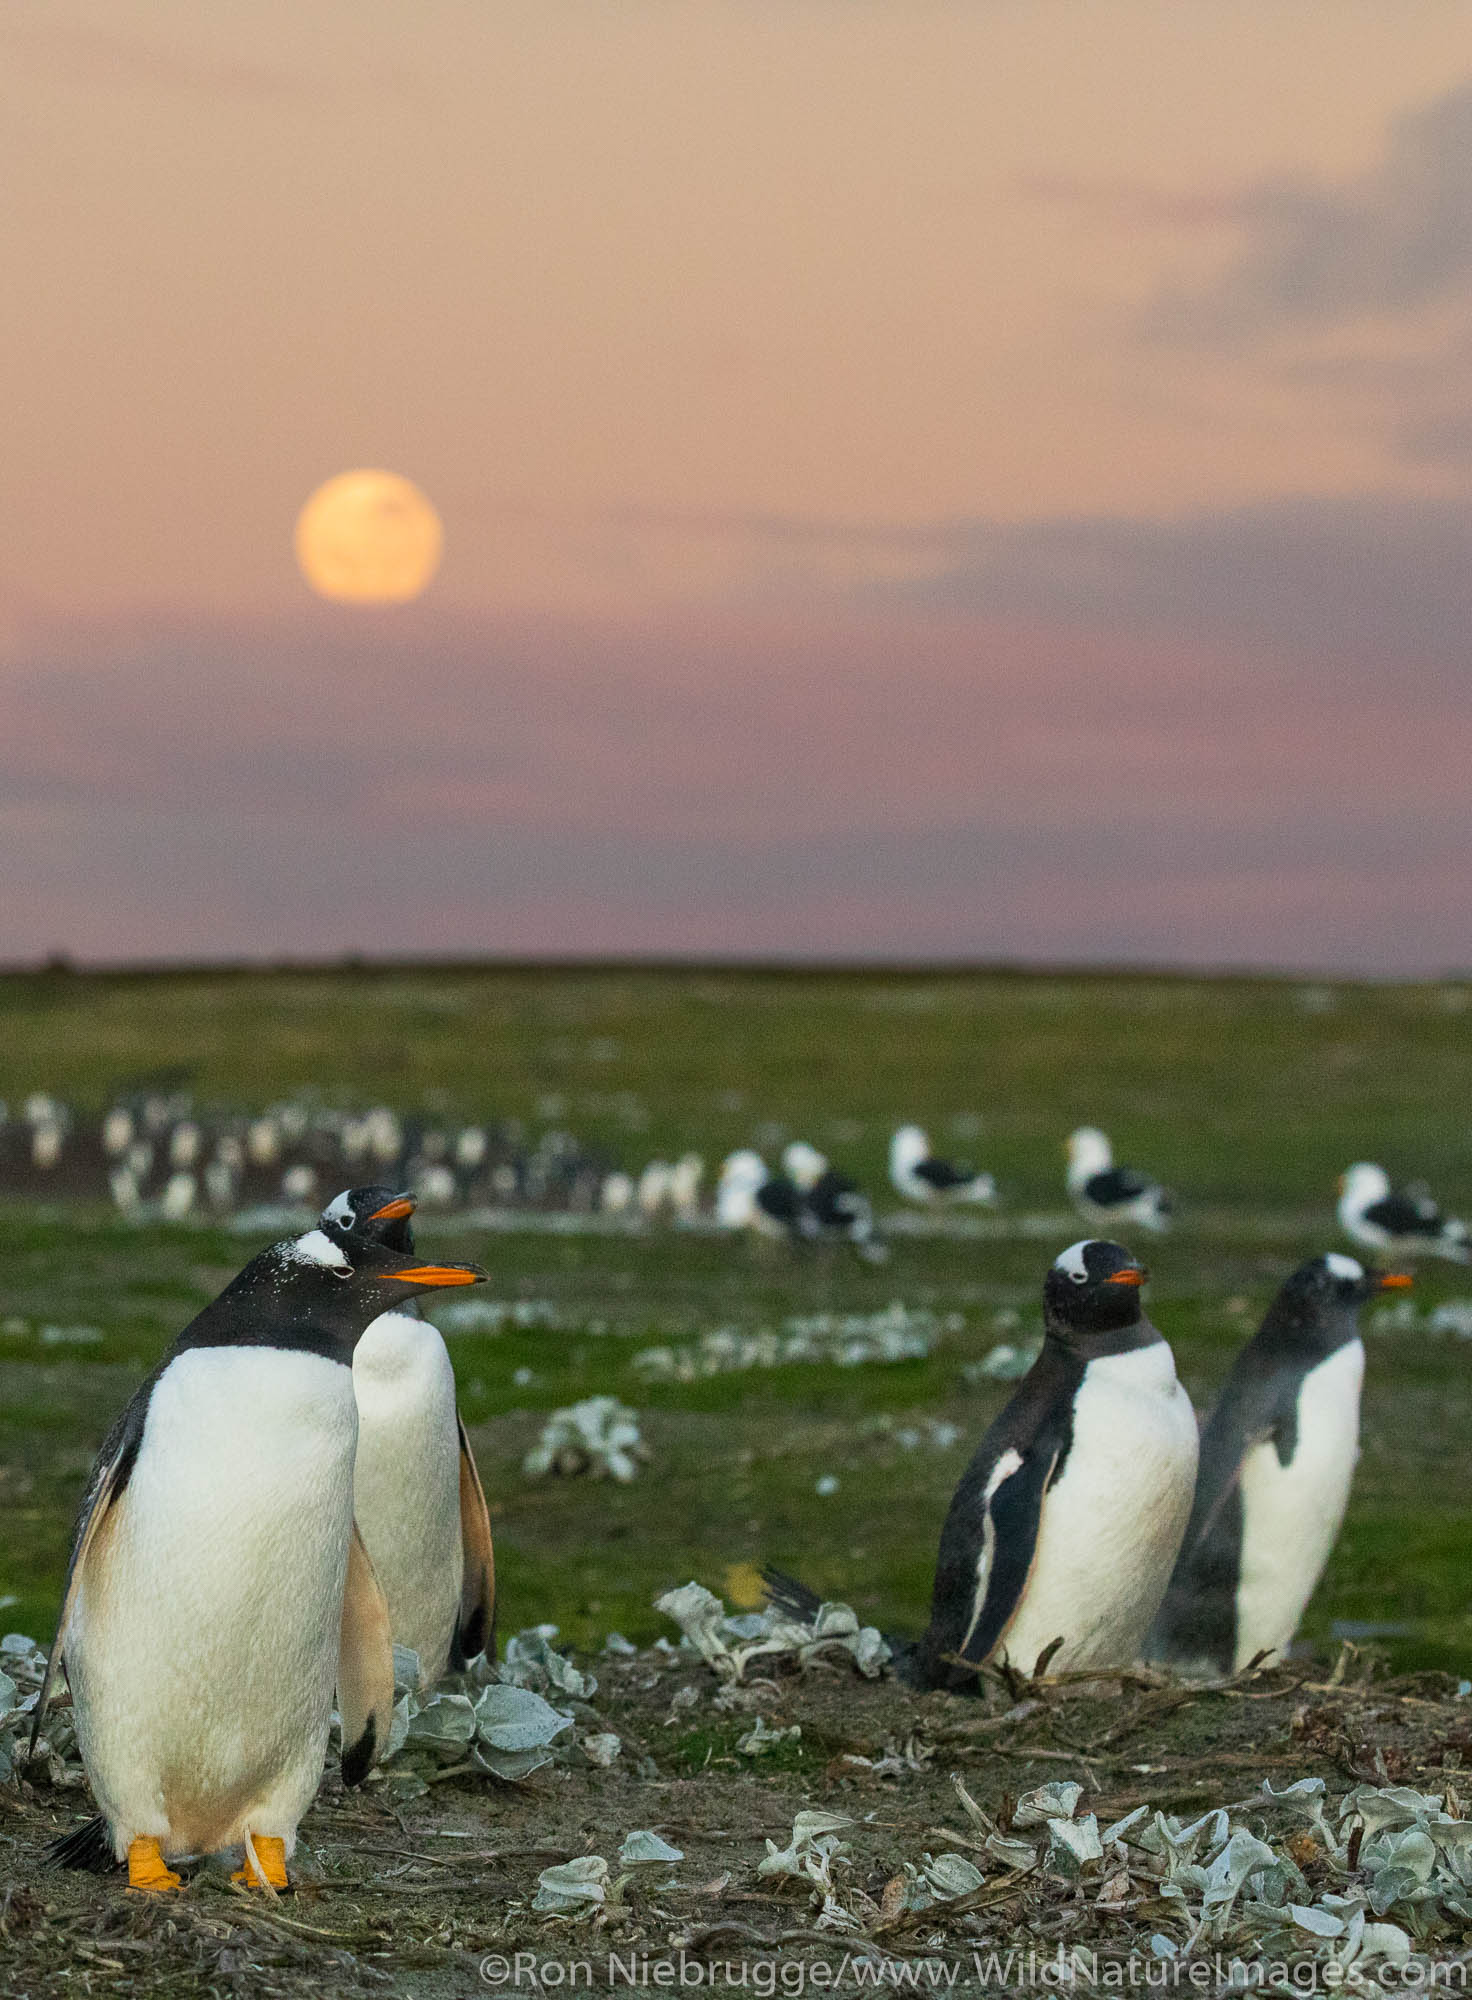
<point x="357" y="1758"/>
<point x="87" y="1847"/>
<point x="798" y="1601"/>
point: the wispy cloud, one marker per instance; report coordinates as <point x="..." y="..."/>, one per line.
<point x="1316" y="254"/>
<point x="1139" y="205"/>
<point x="1335" y="592"/>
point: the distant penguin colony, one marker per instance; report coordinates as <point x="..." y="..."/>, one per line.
<point x="1277" y="1457"/>
<point x="416" y="1492"/>
<point x="217" y="1588"/>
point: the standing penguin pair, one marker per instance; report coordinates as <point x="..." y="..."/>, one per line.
<point x="1277" y="1458"/>
<point x="217" y="1588"/>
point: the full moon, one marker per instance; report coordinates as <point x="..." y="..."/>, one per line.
<point x="368" y="537"/>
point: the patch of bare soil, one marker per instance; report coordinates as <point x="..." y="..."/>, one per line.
<point x="415" y="1895"/>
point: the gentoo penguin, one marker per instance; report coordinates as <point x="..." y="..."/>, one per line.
<point x="1068" y="1519"/>
<point x="1277" y="1457"/>
<point x="1405" y="1222"/>
<point x="1103" y="1192"/>
<point x="416" y="1492"/>
<point x="217" y="1589"/>
<point x="834" y="1208"/>
<point x="918" y="1175"/>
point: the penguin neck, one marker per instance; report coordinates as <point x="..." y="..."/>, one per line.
<point x="1084" y="1344"/>
<point x="269" y="1305"/>
<point x="1307" y="1330"/>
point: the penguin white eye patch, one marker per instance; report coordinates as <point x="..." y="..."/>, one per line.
<point x="1072" y="1262"/>
<point x="1339" y="1266"/>
<point x="315" y="1248"/>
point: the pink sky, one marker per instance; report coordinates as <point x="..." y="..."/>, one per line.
<point x="918" y="479"/>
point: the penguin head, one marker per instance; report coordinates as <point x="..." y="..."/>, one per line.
<point x="318" y="1292"/>
<point x="1093" y="1287"/>
<point x="1321" y="1300"/>
<point x="378" y="1214"/>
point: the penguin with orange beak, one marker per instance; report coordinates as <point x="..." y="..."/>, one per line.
<point x="217" y="1589"/>
<point x="1068" y="1519"/>
<point x="1277" y="1459"/>
<point x="416" y="1491"/>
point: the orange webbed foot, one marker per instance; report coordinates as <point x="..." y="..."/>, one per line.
<point x="147" y="1868"/>
<point x="269" y="1872"/>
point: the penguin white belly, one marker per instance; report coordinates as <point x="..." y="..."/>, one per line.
<point x="1291" y="1514"/>
<point x="203" y="1646"/>
<point x="406" y="1484"/>
<point x="1113" y="1521"/>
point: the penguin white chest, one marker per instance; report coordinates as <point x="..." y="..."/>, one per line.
<point x="1112" y="1521"/>
<point x="1292" y="1514"/>
<point x="406" y="1484"/>
<point x="204" y="1642"/>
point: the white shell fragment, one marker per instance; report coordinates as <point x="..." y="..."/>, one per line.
<point x="598" y="1437"/>
<point x="643" y="1849"/>
<point x="573" y="1887"/>
<point x="728" y="1644"/>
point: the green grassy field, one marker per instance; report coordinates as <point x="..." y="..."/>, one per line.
<point x="1247" y="1096"/>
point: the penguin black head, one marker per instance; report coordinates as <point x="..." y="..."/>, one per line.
<point x="1320" y="1302"/>
<point x="318" y="1292"/>
<point x="1092" y="1288"/>
<point x="376" y="1214"/>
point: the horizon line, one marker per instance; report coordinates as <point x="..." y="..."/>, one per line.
<point x="60" y="966"/>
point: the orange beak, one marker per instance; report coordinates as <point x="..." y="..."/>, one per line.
<point x="1135" y="1277"/>
<point x="440" y="1274"/>
<point x="1396" y="1281"/>
<point x="395" y="1210"/>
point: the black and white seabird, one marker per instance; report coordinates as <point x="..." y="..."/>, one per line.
<point x="834" y="1207"/>
<point x="1398" y="1222"/>
<point x="1068" y="1519"/>
<point x="748" y="1196"/>
<point x="1277" y="1458"/>
<point x="416" y="1491"/>
<point x="217" y="1587"/>
<point x="1105" y="1193"/>
<point x="918" y="1175"/>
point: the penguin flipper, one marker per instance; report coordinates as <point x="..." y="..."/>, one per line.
<point x="1015" y="1510"/>
<point x="475" y="1629"/>
<point x="104" y="1490"/>
<point x="365" y="1666"/>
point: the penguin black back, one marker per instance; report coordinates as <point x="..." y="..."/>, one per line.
<point x="1265" y="1400"/>
<point x="989" y="1546"/>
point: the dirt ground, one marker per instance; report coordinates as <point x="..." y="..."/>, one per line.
<point x="413" y="1895"/>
